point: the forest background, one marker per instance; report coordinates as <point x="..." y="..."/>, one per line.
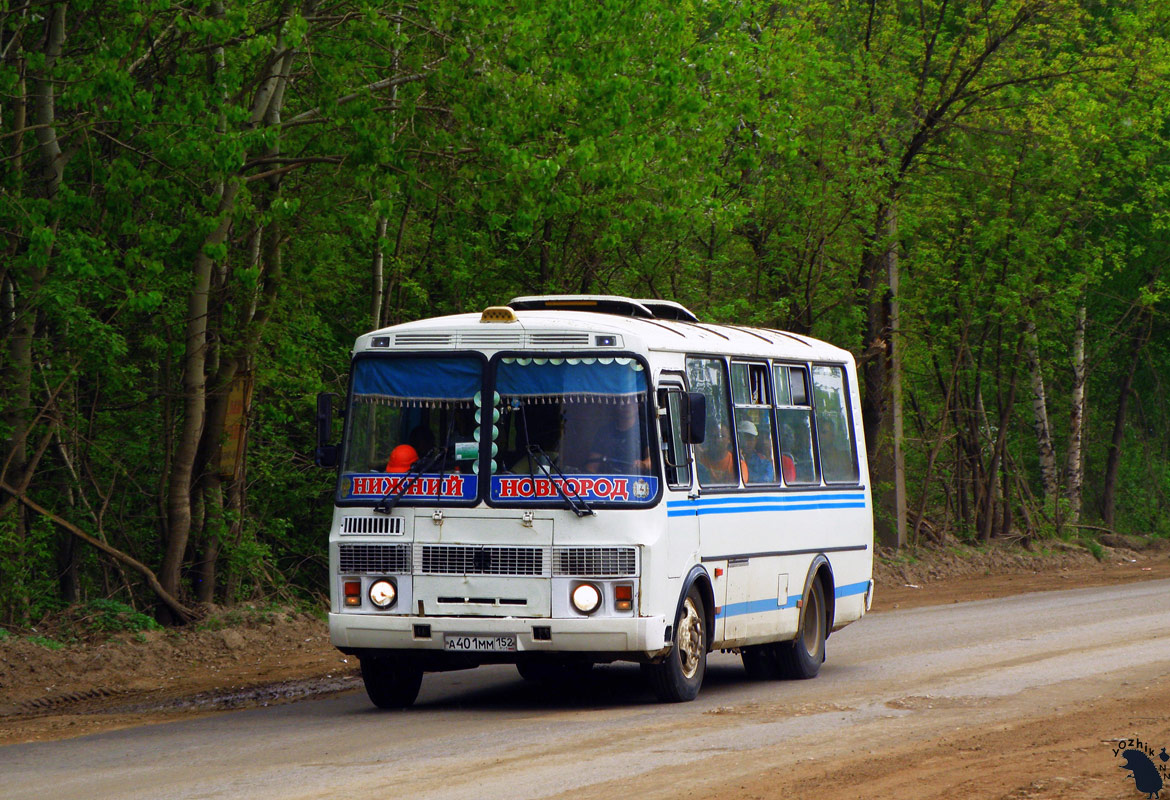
<point x="206" y="201"/>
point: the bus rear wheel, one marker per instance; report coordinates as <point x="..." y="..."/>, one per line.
<point x="390" y="682"/>
<point x="801" y="658"/>
<point x="678" y="677"/>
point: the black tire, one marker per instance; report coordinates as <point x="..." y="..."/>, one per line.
<point x="391" y="682"/>
<point x="554" y="671"/>
<point x="801" y="658"/>
<point x="678" y="677"/>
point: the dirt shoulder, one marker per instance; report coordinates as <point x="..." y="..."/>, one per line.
<point x="957" y="574"/>
<point x="246" y="657"/>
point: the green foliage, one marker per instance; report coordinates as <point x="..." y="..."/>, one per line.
<point x="1094" y="547"/>
<point x="112" y="616"/>
<point x="45" y="642"/>
<point x="744" y="159"/>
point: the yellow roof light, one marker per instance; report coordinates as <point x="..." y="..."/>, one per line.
<point x="498" y="314"/>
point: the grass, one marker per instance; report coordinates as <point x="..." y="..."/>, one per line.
<point x="1094" y="547"/>
<point x="45" y="642"/>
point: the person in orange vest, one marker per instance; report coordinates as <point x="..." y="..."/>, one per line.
<point x="715" y="460"/>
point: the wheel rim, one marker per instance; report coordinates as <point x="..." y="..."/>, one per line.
<point x="690" y="639"/>
<point x="811" y="633"/>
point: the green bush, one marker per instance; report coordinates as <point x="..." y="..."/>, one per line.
<point x="112" y="616"/>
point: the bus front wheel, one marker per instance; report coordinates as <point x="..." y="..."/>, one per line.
<point x="390" y="682"/>
<point x="677" y="678"/>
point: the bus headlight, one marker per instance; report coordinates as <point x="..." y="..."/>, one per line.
<point x="586" y="598"/>
<point x="383" y="593"/>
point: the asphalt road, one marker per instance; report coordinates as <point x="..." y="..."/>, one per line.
<point x="900" y="676"/>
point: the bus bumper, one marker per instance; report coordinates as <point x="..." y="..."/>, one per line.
<point x="596" y="634"/>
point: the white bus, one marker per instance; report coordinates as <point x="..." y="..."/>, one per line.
<point x="573" y="480"/>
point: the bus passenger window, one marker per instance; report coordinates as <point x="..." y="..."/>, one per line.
<point x="834" y="428"/>
<point x="794" y="425"/>
<point x="753" y="422"/>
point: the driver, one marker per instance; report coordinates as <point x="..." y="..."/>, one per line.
<point x="621" y="444"/>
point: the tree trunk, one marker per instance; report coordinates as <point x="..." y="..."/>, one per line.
<point x="213" y="533"/>
<point x="1074" y="468"/>
<point x="1113" y="462"/>
<point x="896" y="378"/>
<point x="194" y="400"/>
<point x="376" y="295"/>
<point x="390" y="311"/>
<point x="1047" y="453"/>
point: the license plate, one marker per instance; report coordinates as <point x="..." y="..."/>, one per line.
<point x="480" y="644"/>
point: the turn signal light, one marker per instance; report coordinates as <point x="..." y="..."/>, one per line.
<point x="353" y="593"/>
<point x="623" y="597"/>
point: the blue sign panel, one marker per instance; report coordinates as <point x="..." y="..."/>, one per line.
<point x="429" y="486"/>
<point x="590" y="488"/>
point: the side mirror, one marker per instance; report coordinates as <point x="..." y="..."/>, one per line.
<point x="326" y="454"/>
<point x="696" y="421"/>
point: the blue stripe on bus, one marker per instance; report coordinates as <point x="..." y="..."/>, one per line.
<point x="771" y="604"/>
<point x="756" y="607"/>
<point x="752" y="503"/>
<point x="684" y="512"/>
<point x="769" y="498"/>
<point x="851" y="589"/>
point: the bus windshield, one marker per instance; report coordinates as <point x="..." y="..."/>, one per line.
<point x="576" y="427"/>
<point x="412" y="429"/>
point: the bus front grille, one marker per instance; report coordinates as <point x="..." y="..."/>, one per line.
<point x="595" y="562"/>
<point x="477" y="560"/>
<point x="374" y="559"/>
<point x="377" y="524"/>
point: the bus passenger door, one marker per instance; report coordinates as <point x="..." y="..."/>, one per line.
<point x="682" y="525"/>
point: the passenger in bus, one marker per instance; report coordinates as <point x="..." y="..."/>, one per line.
<point x="715" y="460"/>
<point x="402" y="458"/>
<point x="756" y="454"/>
<point x="620" y="445"/>
<point x="787" y="446"/>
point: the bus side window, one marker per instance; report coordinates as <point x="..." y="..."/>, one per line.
<point x="794" y="422"/>
<point x="715" y="461"/>
<point x="753" y="423"/>
<point x="834" y="426"/>
<point x="674" y="448"/>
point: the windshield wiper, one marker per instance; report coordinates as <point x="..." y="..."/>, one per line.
<point x="583" y="510"/>
<point x="535" y="450"/>
<point x="387" y="503"/>
<point x="443" y="461"/>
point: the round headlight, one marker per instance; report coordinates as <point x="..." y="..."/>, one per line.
<point x="383" y="593"/>
<point x="586" y="598"/>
